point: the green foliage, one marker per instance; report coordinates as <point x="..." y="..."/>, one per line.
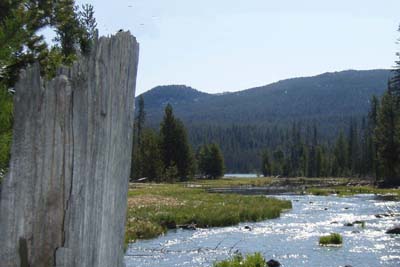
<point x="210" y="161"/>
<point x="87" y="22"/>
<point x="150" y="161"/>
<point x="332" y="239"/>
<point x="387" y="137"/>
<point x="6" y="122"/>
<point x="20" y="41"/>
<point x="174" y="145"/>
<point x="246" y="123"/>
<point x="160" y="157"/>
<point x="266" y="167"/>
<point x="137" y="148"/>
<point x="253" y="260"/>
<point x="168" y="204"/>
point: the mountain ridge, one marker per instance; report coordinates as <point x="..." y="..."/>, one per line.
<point x="300" y="97"/>
<point x="245" y="123"/>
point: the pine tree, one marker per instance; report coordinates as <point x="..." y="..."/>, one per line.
<point x="21" y="42"/>
<point x="340" y="163"/>
<point x="266" y="167"/>
<point x="137" y="148"/>
<point x="174" y="145"/>
<point x="150" y="157"/>
<point x="372" y="123"/>
<point x="216" y="165"/>
<point x="388" y="139"/>
<point x="89" y="25"/>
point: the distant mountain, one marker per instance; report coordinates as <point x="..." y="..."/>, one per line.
<point x="345" y="93"/>
<point x="176" y="95"/>
<point x="246" y="122"/>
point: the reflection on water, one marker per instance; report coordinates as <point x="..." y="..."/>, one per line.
<point x="291" y="239"/>
<point x="240" y="175"/>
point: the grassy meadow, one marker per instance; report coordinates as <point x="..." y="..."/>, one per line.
<point x="155" y="208"/>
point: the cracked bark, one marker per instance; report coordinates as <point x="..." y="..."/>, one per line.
<point x="63" y="203"/>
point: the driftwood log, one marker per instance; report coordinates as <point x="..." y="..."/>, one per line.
<point x="63" y="202"/>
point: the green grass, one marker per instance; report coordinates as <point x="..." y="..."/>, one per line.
<point x="352" y="190"/>
<point x="253" y="260"/>
<point x="153" y="208"/>
<point x="332" y="239"/>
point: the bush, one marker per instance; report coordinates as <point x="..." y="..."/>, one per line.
<point x="332" y="239"/>
<point x="254" y="260"/>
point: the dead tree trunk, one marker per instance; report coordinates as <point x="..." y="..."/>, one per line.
<point x="63" y="202"/>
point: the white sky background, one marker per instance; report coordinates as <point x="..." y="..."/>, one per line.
<point x="230" y="45"/>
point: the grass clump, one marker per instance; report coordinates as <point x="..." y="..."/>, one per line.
<point x="155" y="208"/>
<point x="253" y="260"/>
<point x="332" y="239"/>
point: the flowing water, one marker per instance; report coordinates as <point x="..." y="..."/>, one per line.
<point x="291" y="239"/>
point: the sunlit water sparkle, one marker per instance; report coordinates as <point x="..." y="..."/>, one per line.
<point x="291" y="239"/>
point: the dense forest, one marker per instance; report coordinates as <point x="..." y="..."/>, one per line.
<point x="335" y="124"/>
<point x="247" y="122"/>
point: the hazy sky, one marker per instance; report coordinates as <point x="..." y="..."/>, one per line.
<point x="229" y="45"/>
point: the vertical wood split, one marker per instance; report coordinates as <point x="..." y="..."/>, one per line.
<point x="63" y="202"/>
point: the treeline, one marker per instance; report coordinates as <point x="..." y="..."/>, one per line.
<point x="167" y="156"/>
<point x="303" y="154"/>
<point x="242" y="145"/>
<point x="21" y="44"/>
<point x="369" y="150"/>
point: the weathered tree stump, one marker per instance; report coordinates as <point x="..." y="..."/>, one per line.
<point x="63" y="202"/>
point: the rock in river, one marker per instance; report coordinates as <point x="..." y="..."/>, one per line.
<point x="394" y="230"/>
<point x="273" y="263"/>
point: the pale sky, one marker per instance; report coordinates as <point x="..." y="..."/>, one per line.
<point x="229" y="45"/>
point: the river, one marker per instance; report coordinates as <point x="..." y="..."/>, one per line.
<point x="291" y="239"/>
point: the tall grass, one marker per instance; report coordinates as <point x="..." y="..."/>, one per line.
<point x="155" y="208"/>
<point x="332" y="239"/>
<point x="253" y="260"/>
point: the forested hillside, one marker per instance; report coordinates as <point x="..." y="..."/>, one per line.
<point x="245" y="123"/>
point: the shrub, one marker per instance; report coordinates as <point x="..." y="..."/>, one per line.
<point x="253" y="260"/>
<point x="332" y="239"/>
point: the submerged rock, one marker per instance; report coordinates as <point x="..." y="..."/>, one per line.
<point x="394" y="230"/>
<point x="273" y="263"/>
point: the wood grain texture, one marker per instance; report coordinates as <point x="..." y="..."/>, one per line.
<point x="64" y="198"/>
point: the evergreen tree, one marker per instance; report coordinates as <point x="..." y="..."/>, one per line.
<point x="89" y="24"/>
<point x="266" y="167"/>
<point x="216" y="166"/>
<point x="150" y="157"/>
<point x="388" y="139"/>
<point x="372" y="123"/>
<point x="175" y="148"/>
<point x="21" y="42"/>
<point x="353" y="148"/>
<point x="137" y="148"/>
<point x="340" y="162"/>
